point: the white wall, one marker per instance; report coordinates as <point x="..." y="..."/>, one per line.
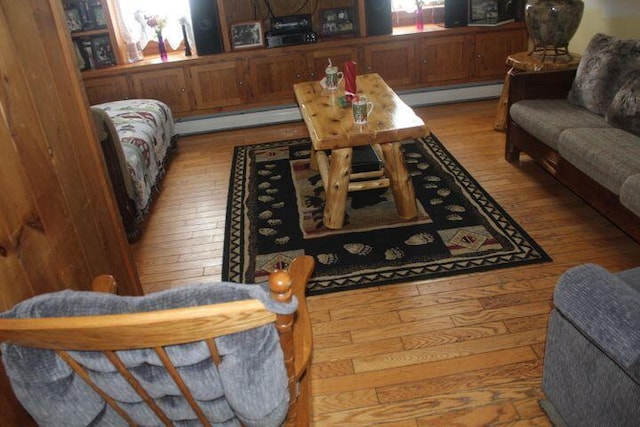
<point x="619" y="18"/>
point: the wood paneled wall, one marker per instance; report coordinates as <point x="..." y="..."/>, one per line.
<point x="59" y="223"/>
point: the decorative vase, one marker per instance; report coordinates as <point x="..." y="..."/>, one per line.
<point x="551" y="24"/>
<point x="162" y="48"/>
<point x="419" y="18"/>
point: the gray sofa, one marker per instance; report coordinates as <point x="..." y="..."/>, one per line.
<point x="592" y="359"/>
<point x="583" y="127"/>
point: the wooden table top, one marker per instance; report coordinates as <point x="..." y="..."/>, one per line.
<point x="331" y="125"/>
<point x="532" y="62"/>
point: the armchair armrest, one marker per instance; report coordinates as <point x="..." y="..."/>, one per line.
<point x="605" y="309"/>
<point x="540" y="85"/>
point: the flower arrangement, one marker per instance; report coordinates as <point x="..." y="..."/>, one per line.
<point x="158" y="23"/>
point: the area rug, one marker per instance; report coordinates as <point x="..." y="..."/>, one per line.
<point x="274" y="213"/>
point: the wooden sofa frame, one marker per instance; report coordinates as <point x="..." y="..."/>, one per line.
<point x="556" y="85"/>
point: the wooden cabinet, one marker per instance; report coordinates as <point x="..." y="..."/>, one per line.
<point x="264" y="77"/>
<point x="219" y="84"/>
<point x="492" y="50"/>
<point x="443" y="59"/>
<point x="107" y="89"/>
<point x="168" y="85"/>
<point x="271" y="77"/>
<point x="394" y="61"/>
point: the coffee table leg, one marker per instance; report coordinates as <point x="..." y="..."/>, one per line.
<point x="400" y="181"/>
<point x="336" y="191"/>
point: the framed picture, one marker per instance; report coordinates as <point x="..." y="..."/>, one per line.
<point x="98" y="17"/>
<point x="337" y="21"/>
<point x="102" y="52"/>
<point x="491" y="12"/>
<point x="245" y="35"/>
<point x="74" y="21"/>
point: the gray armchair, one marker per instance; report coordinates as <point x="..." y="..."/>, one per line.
<point x="592" y="360"/>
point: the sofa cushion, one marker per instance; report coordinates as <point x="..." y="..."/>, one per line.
<point x="545" y="119"/>
<point x="607" y="155"/>
<point x="602" y="71"/>
<point x="630" y="194"/>
<point x="624" y="110"/>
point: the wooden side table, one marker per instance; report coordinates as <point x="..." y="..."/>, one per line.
<point x="523" y="61"/>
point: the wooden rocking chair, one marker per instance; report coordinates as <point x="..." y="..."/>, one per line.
<point x="154" y="366"/>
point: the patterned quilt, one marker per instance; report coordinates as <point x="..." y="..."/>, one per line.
<point x="145" y="128"/>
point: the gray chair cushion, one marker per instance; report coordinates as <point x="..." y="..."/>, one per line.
<point x="607" y="155"/>
<point x="250" y="384"/>
<point x="602" y="71"/>
<point x="624" y="110"/>
<point x="630" y="194"/>
<point x="545" y="119"/>
<point x="605" y="309"/>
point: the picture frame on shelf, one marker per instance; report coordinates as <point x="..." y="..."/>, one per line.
<point x="98" y="17"/>
<point x="102" y="52"/>
<point x="340" y="20"/>
<point x="247" y="35"/>
<point x="74" y="20"/>
<point x="491" y="12"/>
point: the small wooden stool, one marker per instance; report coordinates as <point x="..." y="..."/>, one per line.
<point x="525" y="61"/>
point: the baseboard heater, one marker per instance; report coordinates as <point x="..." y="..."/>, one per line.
<point x="290" y="113"/>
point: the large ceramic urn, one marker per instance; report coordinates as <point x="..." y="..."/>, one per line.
<point x="552" y="23"/>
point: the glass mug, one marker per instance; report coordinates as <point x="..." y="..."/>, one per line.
<point x="361" y="107"/>
<point x="332" y="77"/>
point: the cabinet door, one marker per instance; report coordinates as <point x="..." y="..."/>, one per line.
<point x="319" y="59"/>
<point x="219" y="84"/>
<point x="272" y="77"/>
<point x="492" y="50"/>
<point x="445" y="58"/>
<point x="394" y="61"/>
<point x="106" y="89"/>
<point x="168" y="86"/>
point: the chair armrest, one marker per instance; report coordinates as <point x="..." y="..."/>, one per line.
<point x="540" y="85"/>
<point x="605" y="309"/>
<point x="300" y="271"/>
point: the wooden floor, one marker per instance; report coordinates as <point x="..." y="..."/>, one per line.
<point x="457" y="351"/>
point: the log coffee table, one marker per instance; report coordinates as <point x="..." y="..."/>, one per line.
<point x="334" y="134"/>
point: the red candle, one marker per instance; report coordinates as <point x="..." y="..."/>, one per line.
<point x="349" y="79"/>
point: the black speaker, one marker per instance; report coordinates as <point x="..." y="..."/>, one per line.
<point x="206" y="26"/>
<point x="456" y="13"/>
<point x="378" y="16"/>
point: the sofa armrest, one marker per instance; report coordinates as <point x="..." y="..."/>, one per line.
<point x="605" y="309"/>
<point x="540" y="85"/>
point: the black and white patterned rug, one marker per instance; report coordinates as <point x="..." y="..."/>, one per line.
<point x="274" y="213"/>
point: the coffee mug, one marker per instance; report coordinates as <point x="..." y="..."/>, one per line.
<point x="332" y="77"/>
<point x="361" y="110"/>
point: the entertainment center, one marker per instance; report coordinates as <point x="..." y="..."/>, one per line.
<point x="263" y="77"/>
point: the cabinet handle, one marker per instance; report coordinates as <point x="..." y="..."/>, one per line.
<point x="424" y="61"/>
<point x="241" y="82"/>
<point x="298" y="75"/>
<point x="478" y="55"/>
<point x="369" y="67"/>
<point x="182" y="90"/>
<point x="312" y="74"/>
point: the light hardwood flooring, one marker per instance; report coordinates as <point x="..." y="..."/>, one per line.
<point x="465" y="350"/>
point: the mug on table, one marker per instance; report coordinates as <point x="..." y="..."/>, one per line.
<point x="361" y="107"/>
<point x="333" y="77"/>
